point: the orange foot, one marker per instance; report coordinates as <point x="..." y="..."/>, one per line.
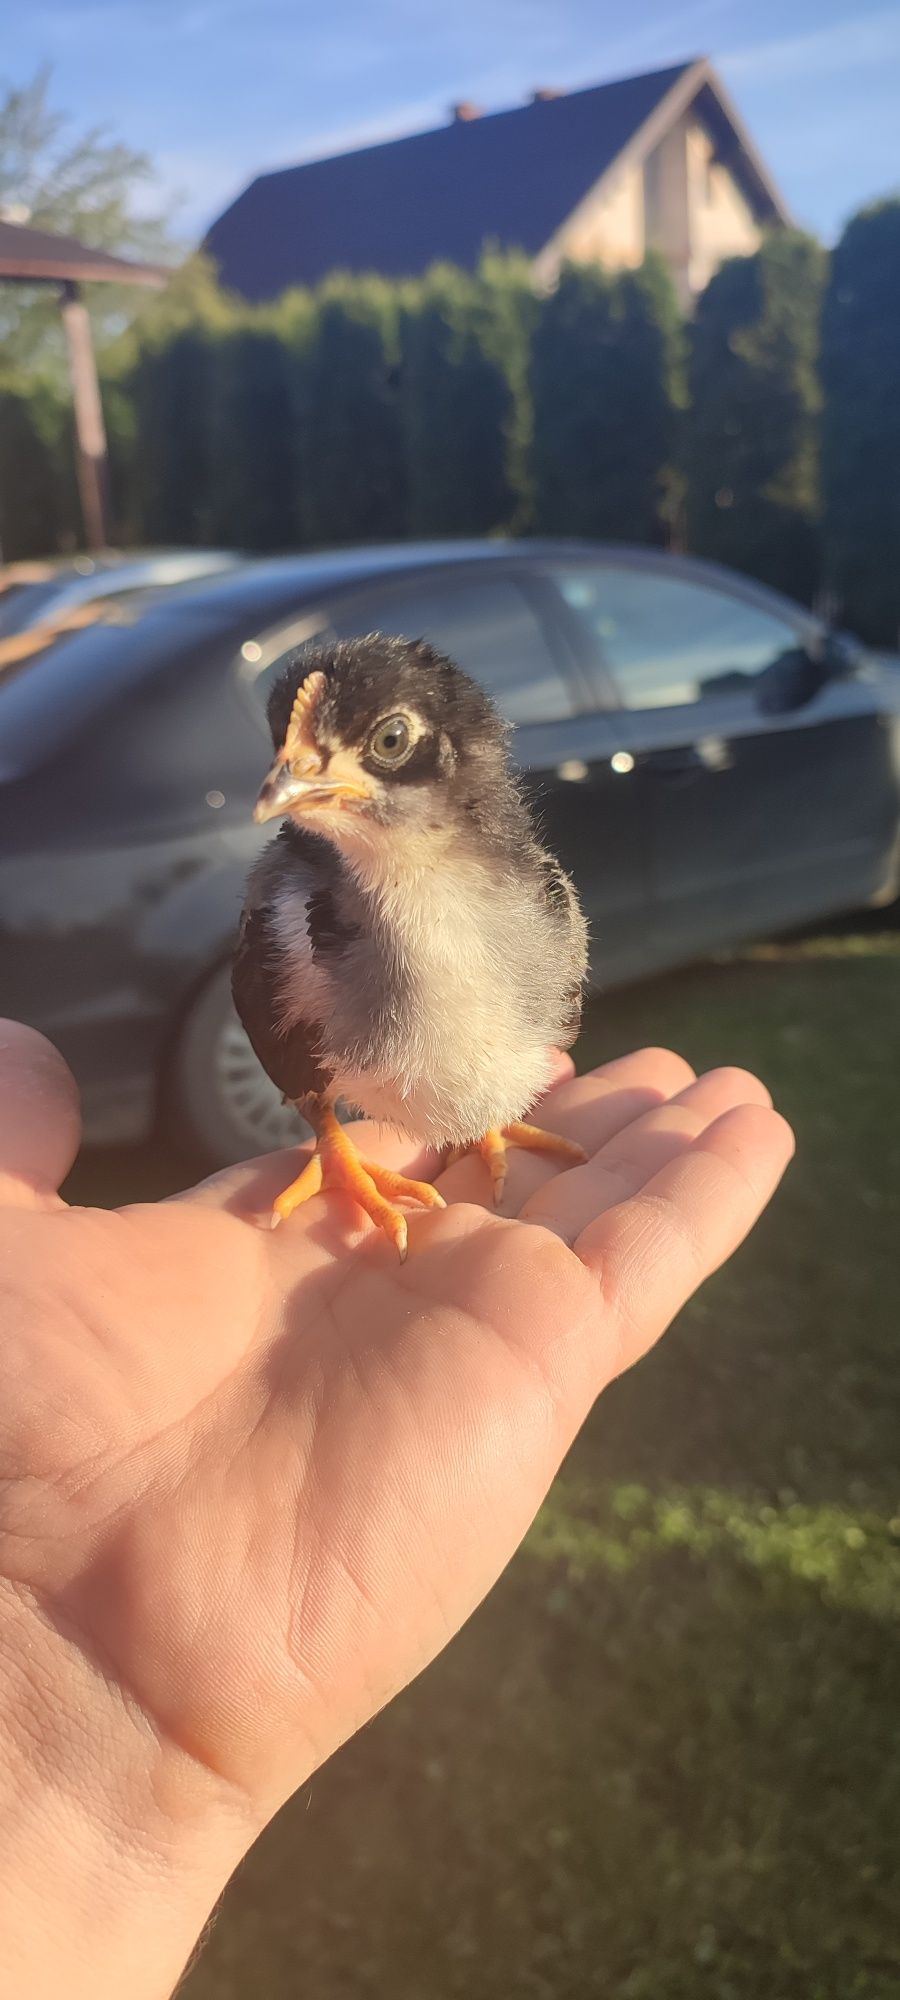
<point x="532" y="1139"/>
<point x="337" y="1164"/>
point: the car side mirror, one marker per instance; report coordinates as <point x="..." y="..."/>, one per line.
<point x="792" y="679"/>
<point x="841" y="655"/>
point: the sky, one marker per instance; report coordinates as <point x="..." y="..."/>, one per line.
<point x="216" y="91"/>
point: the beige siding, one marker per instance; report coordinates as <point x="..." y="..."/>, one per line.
<point x="667" y="206"/>
<point x="607" y="228"/>
<point x="696" y="213"/>
<point x="680" y="200"/>
<point x="721" y="222"/>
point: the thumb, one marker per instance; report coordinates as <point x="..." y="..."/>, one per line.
<point x="40" y="1121"/>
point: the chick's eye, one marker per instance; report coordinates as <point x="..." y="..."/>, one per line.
<point x="391" y="740"/>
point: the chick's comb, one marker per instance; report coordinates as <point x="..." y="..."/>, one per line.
<point x="304" y="702"/>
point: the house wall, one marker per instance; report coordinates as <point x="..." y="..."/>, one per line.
<point x="606" y="228"/>
<point x="609" y="226"/>
<point x="695" y="212"/>
<point x="667" y="207"/>
<point x="680" y="200"/>
<point x="722" y="223"/>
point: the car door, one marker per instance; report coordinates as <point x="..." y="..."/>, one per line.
<point x="754" y="820"/>
<point x="502" y="626"/>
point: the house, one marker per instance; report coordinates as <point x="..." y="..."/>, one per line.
<point x="659" y="161"/>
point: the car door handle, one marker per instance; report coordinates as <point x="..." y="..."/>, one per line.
<point x="709" y="753"/>
<point x="673" y="764"/>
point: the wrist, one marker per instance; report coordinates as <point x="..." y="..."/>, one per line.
<point x="114" y="1847"/>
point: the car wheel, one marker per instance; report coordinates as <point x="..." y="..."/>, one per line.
<point x="220" y="1106"/>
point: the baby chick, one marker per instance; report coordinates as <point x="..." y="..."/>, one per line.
<point x="406" y="943"/>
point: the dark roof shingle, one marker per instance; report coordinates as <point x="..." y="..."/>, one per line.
<point x="511" y="178"/>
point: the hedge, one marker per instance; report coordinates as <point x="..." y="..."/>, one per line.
<point x="462" y="403"/>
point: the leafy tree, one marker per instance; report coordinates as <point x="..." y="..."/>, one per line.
<point x="606" y="382"/>
<point x="173" y="386"/>
<point x="861" y="442"/>
<point x="37" y="501"/>
<point x="161" y="389"/>
<point x="751" y="434"/>
<point x="353" y="487"/>
<point x="79" y="184"/>
<point x="466" y="398"/>
<point x="254" y="481"/>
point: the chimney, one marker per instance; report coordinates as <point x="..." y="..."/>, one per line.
<point x="465" y="113"/>
<point x="545" y="94"/>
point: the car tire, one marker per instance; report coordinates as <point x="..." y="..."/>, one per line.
<point x="219" y="1106"/>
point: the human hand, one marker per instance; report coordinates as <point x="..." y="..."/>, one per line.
<point x="251" y="1482"/>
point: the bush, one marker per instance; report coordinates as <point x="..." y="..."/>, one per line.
<point x="861" y="433"/>
<point x="353" y="481"/>
<point x="605" y="378"/>
<point x="751" y="434"/>
<point x="254" y="443"/>
<point x="38" y="505"/>
<point x="466" y="398"/>
<point x="173" y="389"/>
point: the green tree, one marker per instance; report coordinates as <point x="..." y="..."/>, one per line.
<point x="751" y="432"/>
<point x="254" y="478"/>
<point x="861" y="440"/>
<point x="80" y="184"/>
<point x="140" y="388"/>
<point x="466" y="396"/>
<point x="37" y="500"/>
<point x="606" y="384"/>
<point x="353" y="484"/>
<point x="173" y="386"/>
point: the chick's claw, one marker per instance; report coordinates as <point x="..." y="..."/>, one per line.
<point x="337" y="1165"/>
<point x="532" y="1139"/>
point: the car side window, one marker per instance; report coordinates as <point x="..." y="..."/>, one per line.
<point x="485" y="624"/>
<point x="667" y="641"/>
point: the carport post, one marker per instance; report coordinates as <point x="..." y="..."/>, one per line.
<point x="90" y="431"/>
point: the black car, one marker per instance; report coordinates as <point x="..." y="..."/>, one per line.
<point x="709" y="763"/>
<point x="33" y="593"/>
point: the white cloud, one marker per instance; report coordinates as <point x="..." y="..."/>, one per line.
<point x="862" y="41"/>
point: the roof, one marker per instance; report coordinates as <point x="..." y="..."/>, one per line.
<point x="512" y="178"/>
<point x="35" y="256"/>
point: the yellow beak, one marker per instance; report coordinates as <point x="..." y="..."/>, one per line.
<point x="289" y="789"/>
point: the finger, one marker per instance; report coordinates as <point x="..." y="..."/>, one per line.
<point x="569" y="1202"/>
<point x="40" y="1121"/>
<point x="652" y="1252"/>
<point x="563" y="1068"/>
<point x="589" y="1109"/>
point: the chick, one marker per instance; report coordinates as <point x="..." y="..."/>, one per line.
<point x="406" y="943"/>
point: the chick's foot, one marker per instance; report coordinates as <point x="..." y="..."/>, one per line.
<point x="336" y="1165"/>
<point x="532" y="1139"/>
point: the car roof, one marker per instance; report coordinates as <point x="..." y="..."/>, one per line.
<point x="37" y="594"/>
<point x="322" y="569"/>
<point x="259" y="592"/>
<point x="42" y="699"/>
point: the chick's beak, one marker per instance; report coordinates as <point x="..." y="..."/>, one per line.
<point x="304" y="783"/>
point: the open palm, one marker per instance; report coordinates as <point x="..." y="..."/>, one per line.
<point x="251" y="1482"/>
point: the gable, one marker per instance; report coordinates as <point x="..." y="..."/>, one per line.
<point x="511" y="178"/>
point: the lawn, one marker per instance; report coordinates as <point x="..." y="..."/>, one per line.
<point x="661" y="1762"/>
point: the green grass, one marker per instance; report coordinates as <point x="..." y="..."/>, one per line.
<point x="661" y="1762"/>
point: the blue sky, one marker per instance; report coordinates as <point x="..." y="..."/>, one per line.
<point x="216" y="90"/>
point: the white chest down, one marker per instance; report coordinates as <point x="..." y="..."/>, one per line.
<point x="466" y="1046"/>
